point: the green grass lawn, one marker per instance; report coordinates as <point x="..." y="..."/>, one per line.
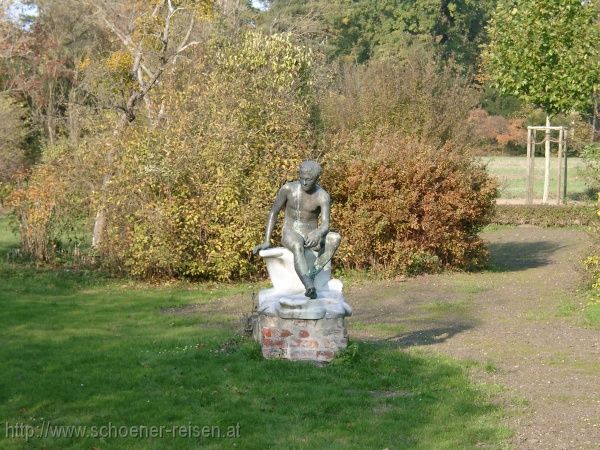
<point x="592" y="315"/>
<point x="511" y="171"/>
<point x="80" y="349"/>
<point x="592" y="309"/>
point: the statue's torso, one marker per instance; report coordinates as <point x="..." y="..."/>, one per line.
<point x="302" y="208"/>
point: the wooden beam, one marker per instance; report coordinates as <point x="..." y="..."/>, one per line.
<point x="530" y="164"/>
<point x="543" y="128"/>
<point x="561" y="136"/>
<point x="546" y="160"/>
<point x="565" y="169"/>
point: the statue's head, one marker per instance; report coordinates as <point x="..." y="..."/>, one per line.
<point x="309" y="175"/>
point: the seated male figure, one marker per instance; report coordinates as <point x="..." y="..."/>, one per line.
<point x="304" y="200"/>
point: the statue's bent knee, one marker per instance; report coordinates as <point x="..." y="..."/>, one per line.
<point x="333" y="239"/>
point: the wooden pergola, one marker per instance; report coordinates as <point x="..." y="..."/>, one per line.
<point x="562" y="161"/>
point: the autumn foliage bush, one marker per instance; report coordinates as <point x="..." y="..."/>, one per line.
<point x="409" y="207"/>
<point x="53" y="204"/>
<point x="407" y="196"/>
<point x="493" y="131"/>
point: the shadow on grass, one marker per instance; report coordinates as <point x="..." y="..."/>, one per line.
<point x="430" y="336"/>
<point x="589" y="195"/>
<point x="516" y="256"/>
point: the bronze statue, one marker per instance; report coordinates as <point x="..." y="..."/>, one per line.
<point x="304" y="200"/>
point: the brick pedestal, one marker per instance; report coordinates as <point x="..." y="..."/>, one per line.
<point x="300" y="339"/>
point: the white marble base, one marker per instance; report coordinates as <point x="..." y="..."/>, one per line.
<point x="286" y="298"/>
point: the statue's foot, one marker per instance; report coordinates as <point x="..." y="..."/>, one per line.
<point x="311" y="292"/>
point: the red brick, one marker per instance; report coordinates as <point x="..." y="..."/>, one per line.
<point x="328" y="355"/>
<point x="302" y="340"/>
<point x="304" y="343"/>
<point x="304" y="333"/>
<point x="311" y="343"/>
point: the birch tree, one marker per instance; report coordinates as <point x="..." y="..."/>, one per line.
<point x="152" y="36"/>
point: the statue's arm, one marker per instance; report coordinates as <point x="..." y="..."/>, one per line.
<point x="325" y="212"/>
<point x="318" y="233"/>
<point x="278" y="204"/>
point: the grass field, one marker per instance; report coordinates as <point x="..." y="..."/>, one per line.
<point x="592" y="311"/>
<point x="511" y="171"/>
<point x="82" y="350"/>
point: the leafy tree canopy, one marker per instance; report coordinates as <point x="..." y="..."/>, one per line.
<point x="358" y="30"/>
<point x="546" y="52"/>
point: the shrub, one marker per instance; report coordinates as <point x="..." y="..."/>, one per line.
<point x="53" y="204"/>
<point x="190" y="198"/>
<point x="408" y="207"/>
<point x="591" y="156"/>
<point x="419" y="98"/>
<point x="407" y="198"/>
<point x="592" y="264"/>
<point x="12" y="139"/>
<point x="493" y="132"/>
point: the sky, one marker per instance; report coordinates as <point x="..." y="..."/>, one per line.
<point x="16" y="10"/>
<point x="258" y="4"/>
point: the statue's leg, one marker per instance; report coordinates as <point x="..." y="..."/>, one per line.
<point x="294" y="242"/>
<point x="328" y="248"/>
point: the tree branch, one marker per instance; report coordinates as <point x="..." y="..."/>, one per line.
<point x="123" y="37"/>
<point x="191" y="44"/>
<point x="188" y="33"/>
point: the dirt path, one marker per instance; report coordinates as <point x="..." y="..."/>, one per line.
<point x="516" y="320"/>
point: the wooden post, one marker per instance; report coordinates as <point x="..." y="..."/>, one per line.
<point x="530" y="164"/>
<point x="565" y="169"/>
<point x="561" y="135"/>
<point x="546" y="162"/>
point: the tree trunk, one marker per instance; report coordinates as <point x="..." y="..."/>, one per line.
<point x="50" y="115"/>
<point x="530" y="164"/>
<point x="99" y="224"/>
<point x="100" y="220"/>
<point x="547" y="162"/>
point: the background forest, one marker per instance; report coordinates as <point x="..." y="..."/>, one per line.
<point x="149" y="137"/>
